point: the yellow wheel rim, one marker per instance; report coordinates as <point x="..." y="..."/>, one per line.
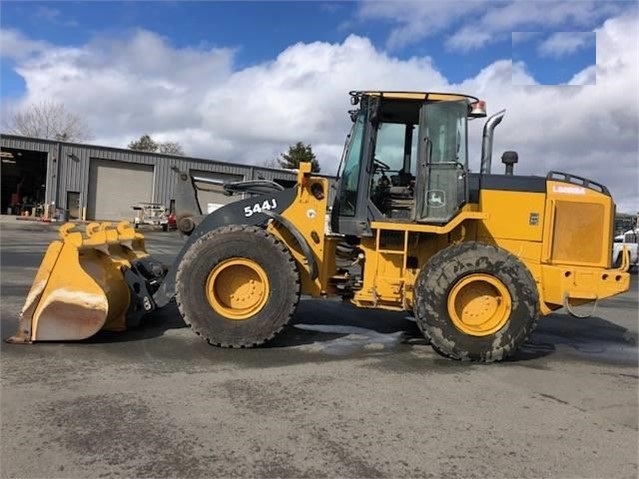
<point x="479" y="305"/>
<point x="237" y="288"/>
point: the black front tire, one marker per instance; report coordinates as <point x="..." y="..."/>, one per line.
<point x="436" y="281"/>
<point x="230" y="242"/>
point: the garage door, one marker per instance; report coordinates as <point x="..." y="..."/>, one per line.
<point x="211" y="196"/>
<point x="115" y="186"/>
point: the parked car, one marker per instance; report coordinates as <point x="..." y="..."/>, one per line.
<point x="629" y="241"/>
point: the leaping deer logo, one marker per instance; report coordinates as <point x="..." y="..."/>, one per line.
<point x="436" y="198"/>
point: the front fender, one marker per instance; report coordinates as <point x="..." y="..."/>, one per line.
<point x="306" y="249"/>
<point x="233" y="213"/>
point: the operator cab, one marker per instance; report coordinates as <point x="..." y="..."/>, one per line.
<point x="406" y="159"/>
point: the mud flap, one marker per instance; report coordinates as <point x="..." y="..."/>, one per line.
<point x="87" y="283"/>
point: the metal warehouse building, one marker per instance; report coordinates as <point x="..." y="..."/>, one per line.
<point x="89" y="182"/>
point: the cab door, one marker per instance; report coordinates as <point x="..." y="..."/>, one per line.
<point x="442" y="186"/>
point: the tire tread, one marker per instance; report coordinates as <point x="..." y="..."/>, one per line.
<point x="486" y="257"/>
<point x="288" y="264"/>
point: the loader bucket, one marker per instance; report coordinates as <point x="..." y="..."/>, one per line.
<point x="80" y="288"/>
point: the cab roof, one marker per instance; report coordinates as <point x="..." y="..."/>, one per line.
<point x="419" y="96"/>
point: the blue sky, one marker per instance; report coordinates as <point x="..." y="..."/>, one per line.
<point x="258" y="30"/>
<point x="240" y="81"/>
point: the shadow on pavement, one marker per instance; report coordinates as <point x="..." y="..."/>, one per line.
<point x="151" y="326"/>
<point x="591" y="338"/>
<point x="325" y="323"/>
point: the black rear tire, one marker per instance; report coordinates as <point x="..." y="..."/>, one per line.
<point x="446" y="269"/>
<point x="229" y="243"/>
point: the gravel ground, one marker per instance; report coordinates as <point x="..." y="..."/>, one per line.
<point x="342" y="392"/>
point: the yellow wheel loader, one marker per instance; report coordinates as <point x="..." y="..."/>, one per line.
<point x="476" y="257"/>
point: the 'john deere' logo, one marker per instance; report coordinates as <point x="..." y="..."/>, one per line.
<point x="436" y="198"/>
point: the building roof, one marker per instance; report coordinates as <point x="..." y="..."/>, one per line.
<point x="5" y="136"/>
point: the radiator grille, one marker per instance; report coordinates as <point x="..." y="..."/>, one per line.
<point x="579" y="232"/>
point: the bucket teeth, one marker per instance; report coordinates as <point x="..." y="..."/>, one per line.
<point x="97" y="234"/>
<point x="65" y="230"/>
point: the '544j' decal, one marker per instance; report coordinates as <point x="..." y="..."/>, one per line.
<point x="259" y="207"/>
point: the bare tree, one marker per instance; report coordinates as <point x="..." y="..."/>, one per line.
<point x="170" y="148"/>
<point x="49" y="120"/>
<point x="270" y="163"/>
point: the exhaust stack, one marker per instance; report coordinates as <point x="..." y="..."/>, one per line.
<point x="487" y="140"/>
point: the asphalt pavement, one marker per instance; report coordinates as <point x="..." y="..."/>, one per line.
<point x="341" y="393"/>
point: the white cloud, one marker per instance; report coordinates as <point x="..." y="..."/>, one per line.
<point x="508" y="16"/>
<point x="142" y="84"/>
<point x="302" y="93"/>
<point x="521" y="76"/>
<point x="127" y="86"/>
<point x="587" y="76"/>
<point x="15" y="46"/>
<point x="416" y="21"/>
<point x="561" y="44"/>
<point x="522" y="37"/>
<point x="588" y="130"/>
<point x="481" y="22"/>
<point x="468" y="38"/>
